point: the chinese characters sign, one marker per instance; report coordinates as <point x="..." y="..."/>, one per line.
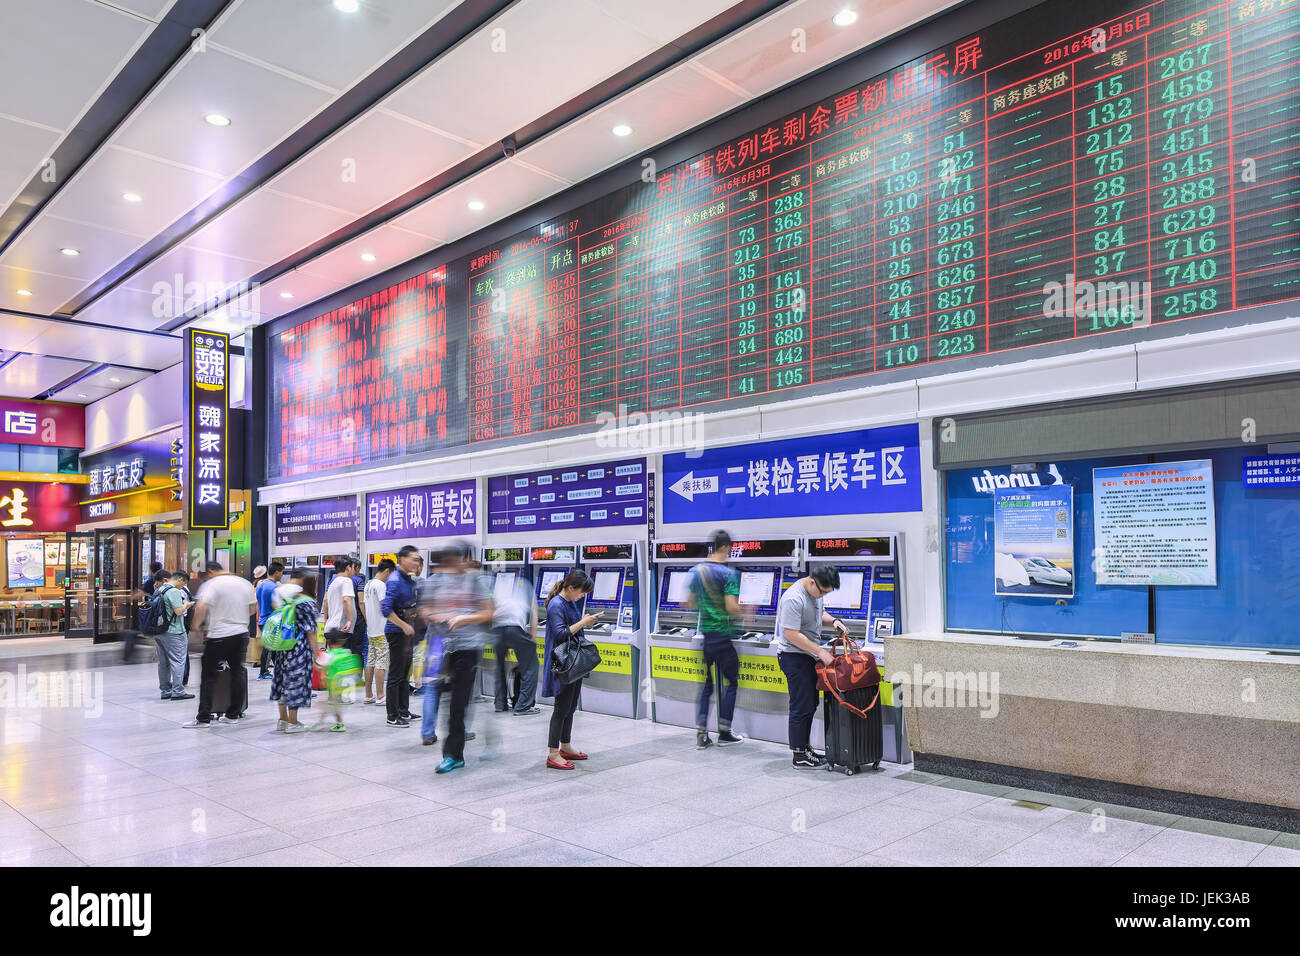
<point x="1270" y="471"/>
<point x="875" y="471"/>
<point x="42" y="423"/>
<point x="581" y="496"/>
<point x="38" y="506"/>
<point x="132" y="480"/>
<point x="207" y="387"/>
<point x="429" y="511"/>
<point x="1033" y="541"/>
<point x="323" y="520"/>
<point x="1155" y="523"/>
<point x="119" y="476"/>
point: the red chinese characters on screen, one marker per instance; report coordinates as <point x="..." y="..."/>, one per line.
<point x="364" y="382"/>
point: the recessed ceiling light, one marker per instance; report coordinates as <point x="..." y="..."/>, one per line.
<point x="367" y="257"/>
<point x="69" y="251"/>
<point x="286" y="295"/>
<point x="345" y="6"/>
<point x="24" y="291"/>
<point x="81" y="395"/>
<point x="115" y="380"/>
<point x="476" y="205"/>
<point x="132" y="197"/>
<point x="845" y="17"/>
<point x="216" y="119"/>
<point x="622" y="129"/>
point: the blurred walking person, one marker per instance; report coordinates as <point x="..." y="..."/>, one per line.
<point x="514" y="621"/>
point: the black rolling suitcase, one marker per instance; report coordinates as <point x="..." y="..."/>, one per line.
<point x="853" y="741"/>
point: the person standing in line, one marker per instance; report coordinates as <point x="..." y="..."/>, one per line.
<point x="564" y="618"/>
<point x="715" y="589"/>
<point x="151" y="581"/>
<point x="460" y="602"/>
<point x="514" y="621"/>
<point x="173" y="646"/>
<point x="265" y="605"/>
<point x="399" y="609"/>
<point x="291" y="680"/>
<point x="340" y="607"/>
<point x="376" y="658"/>
<point x="225" y="602"/>
<point x="797" y="641"/>
<point x="358" y="643"/>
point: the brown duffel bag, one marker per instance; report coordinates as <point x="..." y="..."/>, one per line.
<point x="852" y="670"/>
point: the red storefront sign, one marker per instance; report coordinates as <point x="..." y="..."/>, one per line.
<point x="42" y="423"/>
<point x="38" y="506"/>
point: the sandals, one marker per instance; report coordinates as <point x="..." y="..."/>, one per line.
<point x="559" y="764"/>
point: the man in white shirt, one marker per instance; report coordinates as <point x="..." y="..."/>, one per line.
<point x="225" y="603"/>
<point x="340" y="607"/>
<point x="377" y="654"/>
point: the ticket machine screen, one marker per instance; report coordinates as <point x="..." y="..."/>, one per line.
<point x="757" y="588"/>
<point x="547" y="580"/>
<point x="848" y="596"/>
<point x="606" y="586"/>
<point x="676" y="587"/>
<point x="504" y="585"/>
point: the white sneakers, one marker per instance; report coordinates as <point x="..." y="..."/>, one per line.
<point x="280" y="725"/>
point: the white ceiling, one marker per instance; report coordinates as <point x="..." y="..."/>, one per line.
<point x="272" y="65"/>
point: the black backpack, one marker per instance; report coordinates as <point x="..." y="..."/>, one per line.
<point x="157" y="616"/>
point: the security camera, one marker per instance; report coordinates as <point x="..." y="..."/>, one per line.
<point x="508" y="147"/>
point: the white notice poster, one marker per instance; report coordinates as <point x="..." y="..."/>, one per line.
<point x="1155" y="524"/>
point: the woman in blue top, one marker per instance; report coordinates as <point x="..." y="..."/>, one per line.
<point x="563" y="618"/>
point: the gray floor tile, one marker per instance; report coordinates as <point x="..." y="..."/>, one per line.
<point x="955" y="842"/>
<point x="612" y="834"/>
<point x="793" y="850"/>
<point x="544" y="852"/>
<point x="700" y="845"/>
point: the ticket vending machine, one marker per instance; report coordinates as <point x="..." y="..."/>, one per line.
<point x="615" y="569"/>
<point x="674" y="646"/>
<point x="504" y="567"/>
<point x="767" y="566"/>
<point x="865" y="602"/>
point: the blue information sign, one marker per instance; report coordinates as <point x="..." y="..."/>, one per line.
<point x="873" y="471"/>
<point x="580" y="496"/>
<point x="1270" y="471"/>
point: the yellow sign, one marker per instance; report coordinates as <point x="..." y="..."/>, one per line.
<point x="614" y="658"/>
<point x="761" y="673"/>
<point x="671" y="663"/>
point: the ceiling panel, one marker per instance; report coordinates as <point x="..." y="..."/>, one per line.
<point x="268" y="226"/>
<point x="47" y="292"/>
<point x="29" y="375"/>
<point x="17" y="332"/>
<point x="263" y="106"/>
<point x="481" y="95"/>
<point x="114" y="378"/>
<point x="25" y="148"/>
<point x="186" y="273"/>
<point x="37" y="249"/>
<point x="125" y="308"/>
<point x="375" y="159"/>
<point x="759" y="59"/>
<point x="146" y="351"/>
<point x="504" y="188"/>
<point x="655" y="111"/>
<point x="664" y="20"/>
<point x="344" y="266"/>
<point x="82" y="394"/>
<point x="333" y="48"/>
<point x="70" y="49"/>
<point x="166" y="192"/>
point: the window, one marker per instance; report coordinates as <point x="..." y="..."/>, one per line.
<point x="9" y="457"/>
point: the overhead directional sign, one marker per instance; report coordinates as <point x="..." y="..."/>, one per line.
<point x="873" y="471"/>
<point x="579" y="496"/>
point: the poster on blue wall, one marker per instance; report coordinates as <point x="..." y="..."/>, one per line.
<point x="871" y="471"/>
<point x="1155" y="523"/>
<point x="1033" y="541"/>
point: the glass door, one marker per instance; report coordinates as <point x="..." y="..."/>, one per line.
<point x="117" y="576"/>
<point x="79" y="585"/>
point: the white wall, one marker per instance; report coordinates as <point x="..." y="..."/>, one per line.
<point x="150" y="405"/>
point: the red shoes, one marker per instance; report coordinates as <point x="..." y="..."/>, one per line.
<point x="578" y="756"/>
<point x="559" y="764"/>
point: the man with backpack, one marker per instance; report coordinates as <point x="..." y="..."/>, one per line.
<point x="165" y="620"/>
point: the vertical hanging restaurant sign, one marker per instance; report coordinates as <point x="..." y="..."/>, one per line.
<point x="207" y="394"/>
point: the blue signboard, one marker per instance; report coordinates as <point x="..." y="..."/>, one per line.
<point x="1270" y="471"/>
<point x="579" y="496"/>
<point x="873" y="471"/>
<point x="428" y="511"/>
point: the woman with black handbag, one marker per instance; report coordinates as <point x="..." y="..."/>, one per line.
<point x="564" y="620"/>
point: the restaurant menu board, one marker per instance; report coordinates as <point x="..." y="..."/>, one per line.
<point x="368" y="381"/>
<point x="582" y="496"/>
<point x="25" y="561"/>
<point x="968" y="202"/>
<point x="1155" y="524"/>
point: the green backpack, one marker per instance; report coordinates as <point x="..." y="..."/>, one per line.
<point x="280" y="632"/>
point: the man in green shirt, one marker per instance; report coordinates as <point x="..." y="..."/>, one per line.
<point x="173" y="646"/>
<point x="715" y="590"/>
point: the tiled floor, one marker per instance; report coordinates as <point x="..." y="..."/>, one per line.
<point x="131" y="787"/>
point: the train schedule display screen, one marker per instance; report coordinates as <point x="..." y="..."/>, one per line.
<point x="1076" y="169"/>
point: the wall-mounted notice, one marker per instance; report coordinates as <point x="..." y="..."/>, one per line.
<point x="1033" y="541"/>
<point x="581" y="496"/>
<point x="428" y="511"/>
<point x="1155" y="523"/>
<point x="316" y="522"/>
